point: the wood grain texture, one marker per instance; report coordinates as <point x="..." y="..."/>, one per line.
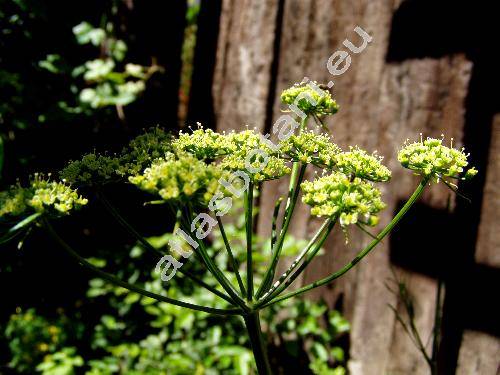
<point x="381" y="104"/>
<point x="488" y="243"/>
<point x="243" y="66"/>
<point x="479" y="354"/>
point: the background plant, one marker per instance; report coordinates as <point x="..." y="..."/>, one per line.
<point x="177" y="341"/>
<point x="187" y="178"/>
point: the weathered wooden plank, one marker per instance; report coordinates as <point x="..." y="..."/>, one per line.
<point x="382" y="104"/>
<point x="488" y="243"/>
<point x="420" y="95"/>
<point x="243" y="67"/>
<point x="479" y="354"/>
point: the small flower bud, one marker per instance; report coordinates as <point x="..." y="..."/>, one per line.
<point x="310" y="99"/>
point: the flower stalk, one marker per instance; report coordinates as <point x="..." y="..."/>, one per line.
<point x="249" y="235"/>
<point x="196" y="172"/>
<point x="252" y="324"/>
<point x="409" y="203"/>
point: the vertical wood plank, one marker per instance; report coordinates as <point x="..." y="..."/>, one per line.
<point x="479" y="354"/>
<point x="488" y="243"/>
<point x="245" y="55"/>
<point x="382" y="104"/>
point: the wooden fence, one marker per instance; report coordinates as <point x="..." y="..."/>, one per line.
<point x="423" y="72"/>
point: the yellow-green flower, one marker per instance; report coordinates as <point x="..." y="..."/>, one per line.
<point x="54" y="196"/>
<point x="337" y="195"/>
<point x="310" y="100"/>
<point x="92" y="169"/>
<point x="13" y="201"/>
<point x="142" y="150"/>
<point x="180" y="178"/>
<point x="203" y="143"/>
<point x="96" y="169"/>
<point x="257" y="166"/>
<point x="309" y="147"/>
<point x="430" y="158"/>
<point x="359" y="163"/>
<point x="43" y="196"/>
<point x="251" y="154"/>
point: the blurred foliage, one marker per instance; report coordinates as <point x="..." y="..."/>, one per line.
<point x="79" y="73"/>
<point x="139" y="335"/>
<point x="66" y="70"/>
<point x="106" y="80"/>
<point x="108" y="86"/>
<point x="187" y="56"/>
<point x="32" y="336"/>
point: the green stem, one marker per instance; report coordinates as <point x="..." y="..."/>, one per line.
<point x="416" y="194"/>
<point x="296" y="177"/>
<point x="437" y="328"/>
<point x="252" y="323"/>
<point x="274" y="233"/>
<point x="17" y="228"/>
<point x="270" y="292"/>
<point x="295" y="181"/>
<point x="322" y="235"/>
<point x="129" y="228"/>
<point x="134" y="288"/>
<point x="232" y="259"/>
<point x="212" y="267"/>
<point x="249" y="232"/>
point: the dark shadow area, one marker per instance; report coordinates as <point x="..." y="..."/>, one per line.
<point x="41" y="275"/>
<point x="421" y="242"/>
<point x="481" y="307"/>
<point x="433" y="29"/>
<point x="201" y="108"/>
<point x="156" y="32"/>
<point x="429" y="28"/>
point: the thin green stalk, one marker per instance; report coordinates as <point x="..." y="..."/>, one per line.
<point x="129" y="228"/>
<point x="252" y="323"/>
<point x="295" y="262"/>
<point x="437" y="328"/>
<point x="134" y="288"/>
<point x="17" y="228"/>
<point x="416" y="194"/>
<point x="249" y="233"/>
<point x="232" y="259"/>
<point x="322" y="235"/>
<point x="212" y="267"/>
<point x="274" y="233"/>
<point x="419" y="342"/>
<point x="296" y="178"/>
<point x="292" y="200"/>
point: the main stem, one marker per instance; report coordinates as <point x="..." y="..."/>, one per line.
<point x="252" y="323"/>
<point x="249" y="232"/>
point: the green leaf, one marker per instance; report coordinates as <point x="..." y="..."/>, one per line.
<point x="337" y="353"/>
<point x="16" y="229"/>
<point x="97" y="262"/>
<point x="85" y="33"/>
<point x="320" y="351"/>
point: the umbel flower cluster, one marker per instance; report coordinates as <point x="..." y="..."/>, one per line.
<point x="181" y="178"/>
<point x="430" y="158"/>
<point x="310" y="99"/>
<point x="336" y="194"/>
<point x="96" y="169"/>
<point x="189" y="168"/>
<point x="201" y="170"/>
<point x="41" y="196"/>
